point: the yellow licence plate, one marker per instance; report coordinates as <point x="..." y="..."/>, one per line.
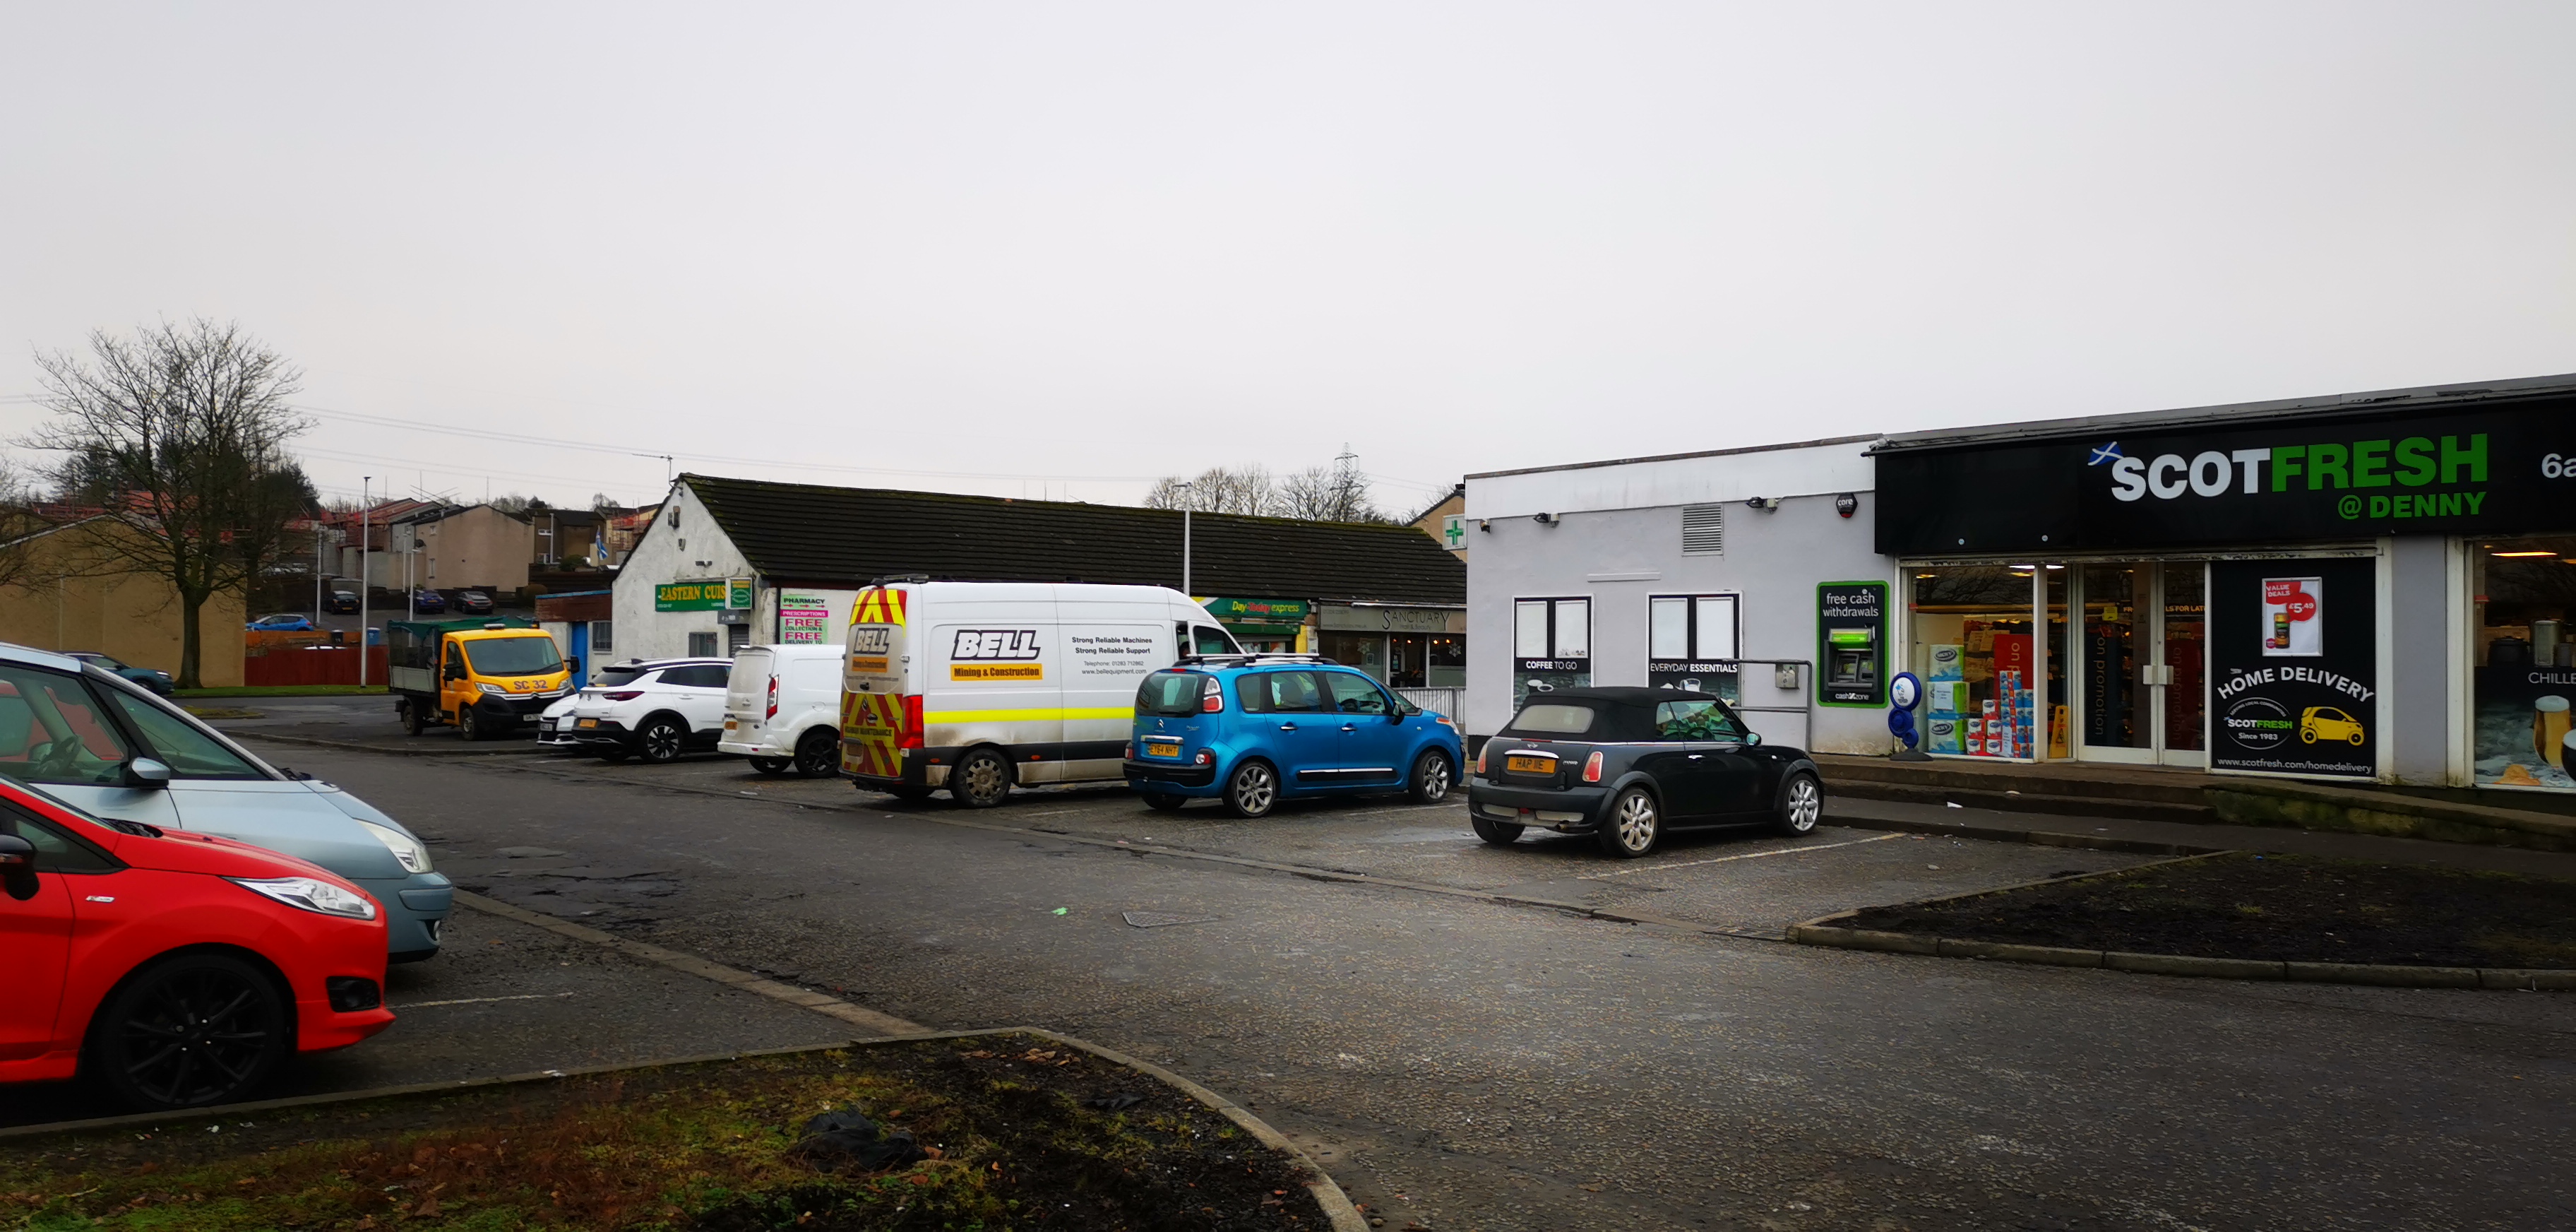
<point x="729" y="725"/>
<point x="587" y="723"/>
<point x="1529" y="765"/>
<point x="1163" y="748"/>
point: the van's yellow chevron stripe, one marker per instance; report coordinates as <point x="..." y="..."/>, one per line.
<point x="1025" y="716"/>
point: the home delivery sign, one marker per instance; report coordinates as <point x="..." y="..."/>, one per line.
<point x="2468" y="471"/>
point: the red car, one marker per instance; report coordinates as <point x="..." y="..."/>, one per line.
<point x="173" y="969"/>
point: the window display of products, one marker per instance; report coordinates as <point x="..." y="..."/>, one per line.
<point x="2524" y="680"/>
<point x="1974" y="648"/>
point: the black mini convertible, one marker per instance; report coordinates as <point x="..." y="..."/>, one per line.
<point x="1628" y="764"/>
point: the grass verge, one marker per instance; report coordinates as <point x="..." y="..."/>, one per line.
<point x="2273" y="908"/>
<point x="283" y="690"/>
<point x="1015" y="1144"/>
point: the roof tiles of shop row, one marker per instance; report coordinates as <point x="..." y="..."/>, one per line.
<point x="824" y="536"/>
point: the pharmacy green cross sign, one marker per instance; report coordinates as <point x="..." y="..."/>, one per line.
<point x="1453" y="531"/>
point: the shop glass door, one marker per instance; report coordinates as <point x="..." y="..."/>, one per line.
<point x="2139" y="666"/>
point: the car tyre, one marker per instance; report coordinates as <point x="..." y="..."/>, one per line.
<point x="772" y="766"/>
<point x="1164" y="801"/>
<point x="415" y="719"/>
<point x="1802" y="804"/>
<point x="1432" y="778"/>
<point x="1634" y="826"/>
<point x="467" y="726"/>
<point x="1499" y="833"/>
<point x="661" y="741"/>
<point x="981" y="780"/>
<point x="1252" y="790"/>
<point x="818" y="754"/>
<point x="192" y="1030"/>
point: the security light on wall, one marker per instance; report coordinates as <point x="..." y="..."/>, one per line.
<point x="1771" y="503"/>
<point x="1544" y="519"/>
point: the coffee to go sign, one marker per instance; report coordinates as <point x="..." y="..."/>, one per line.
<point x="2492" y="469"/>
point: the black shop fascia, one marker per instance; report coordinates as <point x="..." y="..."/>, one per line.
<point x="2206" y="587"/>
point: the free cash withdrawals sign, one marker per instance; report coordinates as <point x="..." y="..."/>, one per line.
<point x="712" y="595"/>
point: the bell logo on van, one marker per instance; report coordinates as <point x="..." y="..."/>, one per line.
<point x="872" y="640"/>
<point x="1004" y="645"/>
<point x="995" y="654"/>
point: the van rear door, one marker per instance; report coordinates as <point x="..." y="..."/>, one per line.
<point x="747" y="690"/>
<point x="874" y="671"/>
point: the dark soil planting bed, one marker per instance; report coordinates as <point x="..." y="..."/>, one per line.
<point x="1009" y="1132"/>
<point x="2273" y="908"/>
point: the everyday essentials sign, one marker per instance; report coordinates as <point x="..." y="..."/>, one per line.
<point x="2465" y="471"/>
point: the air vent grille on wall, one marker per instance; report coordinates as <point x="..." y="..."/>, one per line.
<point x="1703" y="530"/>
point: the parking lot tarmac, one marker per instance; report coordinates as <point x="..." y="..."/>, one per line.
<point x="1474" y="1065"/>
<point x="507" y="998"/>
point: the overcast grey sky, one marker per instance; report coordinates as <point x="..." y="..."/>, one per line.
<point x="1058" y="249"/>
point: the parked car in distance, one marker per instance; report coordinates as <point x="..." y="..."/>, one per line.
<point x="105" y="747"/>
<point x="654" y="709"/>
<point x="1252" y="730"/>
<point x="289" y="622"/>
<point x="1629" y="765"/>
<point x="342" y="601"/>
<point x="157" y="681"/>
<point x="428" y="601"/>
<point x="174" y="969"/>
<point x="474" y="603"/>
<point x="783" y="709"/>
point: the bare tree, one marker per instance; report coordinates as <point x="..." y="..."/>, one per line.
<point x="20" y="526"/>
<point x="180" y="434"/>
<point x="1335" y="493"/>
<point x="1218" y="489"/>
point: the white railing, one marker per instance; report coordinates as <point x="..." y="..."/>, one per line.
<point x="1438" y="701"/>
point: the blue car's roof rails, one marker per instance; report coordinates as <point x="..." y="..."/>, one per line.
<point x="1248" y="659"/>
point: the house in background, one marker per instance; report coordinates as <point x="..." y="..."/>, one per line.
<point x="469" y="547"/>
<point x="1447" y="522"/>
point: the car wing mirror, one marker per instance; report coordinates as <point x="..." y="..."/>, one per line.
<point x="147" y="774"/>
<point x="18" y="867"/>
<point x="1753" y="740"/>
<point x="572" y="664"/>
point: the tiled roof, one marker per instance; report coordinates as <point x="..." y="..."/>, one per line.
<point x="849" y="536"/>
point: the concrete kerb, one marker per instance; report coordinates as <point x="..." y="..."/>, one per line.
<point x="1328" y="1192"/>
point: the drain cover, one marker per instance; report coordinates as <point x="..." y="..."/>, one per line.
<point x="1159" y="919"/>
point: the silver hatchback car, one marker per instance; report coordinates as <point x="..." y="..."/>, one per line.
<point x="111" y="749"/>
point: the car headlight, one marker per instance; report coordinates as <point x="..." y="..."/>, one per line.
<point x="492" y="688"/>
<point x="407" y="850"/>
<point x="311" y="894"/>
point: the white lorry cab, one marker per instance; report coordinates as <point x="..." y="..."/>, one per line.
<point x="981" y="686"/>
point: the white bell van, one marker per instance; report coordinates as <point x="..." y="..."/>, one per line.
<point x="978" y="687"/>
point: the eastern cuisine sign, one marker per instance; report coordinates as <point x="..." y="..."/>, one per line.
<point x="2467" y="471"/>
<point x="2293" y="667"/>
<point x="712" y="595"/>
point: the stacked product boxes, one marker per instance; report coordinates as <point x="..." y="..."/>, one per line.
<point x="2001" y="724"/>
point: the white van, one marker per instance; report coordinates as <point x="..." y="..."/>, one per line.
<point x="980" y="686"/>
<point x="783" y="709"/>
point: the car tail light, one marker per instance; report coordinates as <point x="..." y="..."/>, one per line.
<point x="1481" y="750"/>
<point x="1211" y="697"/>
<point x="1127" y="752"/>
<point x="911" y="736"/>
<point x="773" y="698"/>
<point x="624" y="695"/>
<point x="1592" y="767"/>
<point x="1206" y="758"/>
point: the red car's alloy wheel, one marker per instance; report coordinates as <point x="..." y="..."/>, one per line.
<point x="198" y="1029"/>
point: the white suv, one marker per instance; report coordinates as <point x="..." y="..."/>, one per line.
<point x="655" y="709"/>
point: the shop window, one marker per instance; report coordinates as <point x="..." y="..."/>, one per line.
<point x="1365" y="651"/>
<point x="1446" y="662"/>
<point x="603" y="636"/>
<point x="702" y="645"/>
<point x="2524" y="680"/>
<point x="1691" y="642"/>
<point x="1973" y="628"/>
<point x="1551" y="646"/>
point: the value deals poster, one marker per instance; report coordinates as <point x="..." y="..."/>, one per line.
<point x="2291" y="693"/>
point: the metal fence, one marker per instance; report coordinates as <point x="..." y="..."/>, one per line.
<point x="1438" y="701"/>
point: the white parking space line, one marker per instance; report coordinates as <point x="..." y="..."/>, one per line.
<point x="530" y="996"/>
<point x="1750" y="855"/>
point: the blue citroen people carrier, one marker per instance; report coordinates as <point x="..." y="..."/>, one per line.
<point x="1252" y="730"/>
